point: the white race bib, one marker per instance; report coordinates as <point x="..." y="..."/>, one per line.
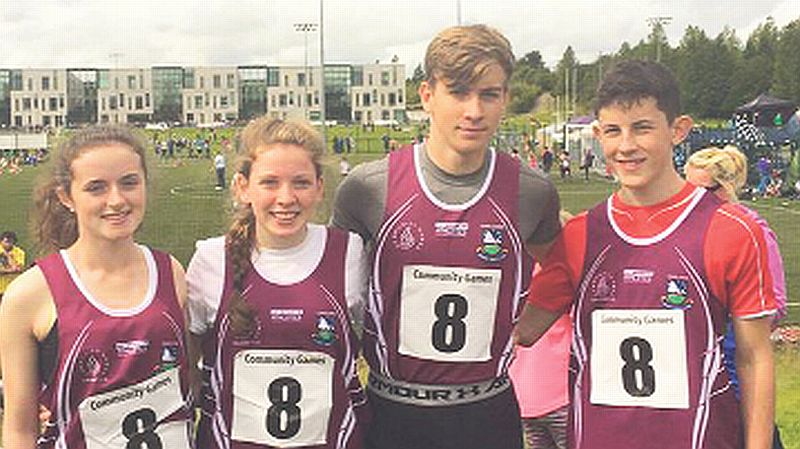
<point x="639" y="359"/>
<point x="447" y="313"/>
<point x="128" y="417"/>
<point x="282" y="398"/>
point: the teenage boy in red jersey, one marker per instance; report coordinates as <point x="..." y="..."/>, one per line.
<point x="651" y="276"/>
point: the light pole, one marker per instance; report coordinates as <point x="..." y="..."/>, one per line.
<point x="657" y="24"/>
<point x="305" y="27"/>
<point x="322" y="73"/>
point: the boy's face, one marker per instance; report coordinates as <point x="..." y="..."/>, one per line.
<point x="637" y="141"/>
<point x="7" y="244"/>
<point x="464" y="119"/>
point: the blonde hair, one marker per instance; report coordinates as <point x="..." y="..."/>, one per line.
<point x="461" y="55"/>
<point x="727" y="167"/>
<point x="240" y="238"/>
<point x="55" y="227"/>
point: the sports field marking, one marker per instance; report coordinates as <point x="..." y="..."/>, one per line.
<point x="192" y="191"/>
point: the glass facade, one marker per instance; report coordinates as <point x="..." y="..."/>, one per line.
<point x="337" y="93"/>
<point x="5" y="98"/>
<point x="252" y="91"/>
<point x="82" y="87"/>
<point x="357" y="78"/>
<point x="167" y="98"/>
<point x="273" y="76"/>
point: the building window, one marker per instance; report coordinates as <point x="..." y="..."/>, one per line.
<point x="282" y="100"/>
<point x="139" y="102"/>
<point x="223" y="101"/>
<point x="131" y="82"/>
<point x="391" y="99"/>
<point x="367" y="99"/>
<point x="400" y="97"/>
<point x="17" y="120"/>
<point x="55" y="86"/>
<point x="198" y="102"/>
<point x="36" y="103"/>
<point x="45" y="83"/>
<point x="285" y="80"/>
<point x="357" y="99"/>
<point x="116" y="84"/>
<point x="229" y="79"/>
<point x="112" y="102"/>
<point x="301" y="79"/>
<point x="370" y="79"/>
<point x="214" y="102"/>
<point x="103" y="103"/>
<point x="53" y="103"/>
<point x="202" y="82"/>
<point x="61" y="102"/>
<point x="308" y="100"/>
<point x="16" y="104"/>
<point x="273" y="101"/>
<point x="190" y="117"/>
<point x="130" y="103"/>
<point x="46" y="120"/>
<point x="383" y="99"/>
<point x="141" y="81"/>
<point x="30" y="83"/>
<point x="385" y="115"/>
<point x="316" y="98"/>
<point x="385" y="78"/>
<point x="217" y="81"/>
<point x="59" y="120"/>
<point x="147" y="100"/>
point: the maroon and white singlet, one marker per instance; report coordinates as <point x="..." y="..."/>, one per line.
<point x="292" y="382"/>
<point x="121" y="379"/>
<point x="647" y="357"/>
<point x="447" y="279"/>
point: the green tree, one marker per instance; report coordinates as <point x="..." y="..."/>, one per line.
<point x="703" y="68"/>
<point x="754" y="69"/>
<point x="786" y="83"/>
<point x="412" y="85"/>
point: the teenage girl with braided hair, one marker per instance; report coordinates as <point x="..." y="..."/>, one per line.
<point x="99" y="322"/>
<point x="271" y="304"/>
<point x="724" y="172"/>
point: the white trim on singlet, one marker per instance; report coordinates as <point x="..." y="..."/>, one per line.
<point x="375" y="307"/>
<point x="506" y="357"/>
<point x="695" y="197"/>
<point x="712" y="355"/>
<point x="152" y="283"/>
<point x="579" y="346"/>
<point x="454" y="207"/>
<point x="63" y="399"/>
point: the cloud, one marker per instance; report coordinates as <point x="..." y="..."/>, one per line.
<point x="58" y="33"/>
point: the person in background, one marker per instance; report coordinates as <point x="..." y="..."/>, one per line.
<point x="12" y="260"/>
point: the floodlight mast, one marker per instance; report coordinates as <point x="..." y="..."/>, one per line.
<point x="305" y="27"/>
<point x="657" y="24"/>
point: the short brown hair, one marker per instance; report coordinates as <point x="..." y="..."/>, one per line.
<point x="632" y="81"/>
<point x="460" y="55"/>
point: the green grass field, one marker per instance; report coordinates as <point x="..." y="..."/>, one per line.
<point x="184" y="207"/>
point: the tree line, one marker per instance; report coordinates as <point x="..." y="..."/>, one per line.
<point x="716" y="74"/>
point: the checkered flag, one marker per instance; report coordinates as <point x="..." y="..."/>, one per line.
<point x="746" y="131"/>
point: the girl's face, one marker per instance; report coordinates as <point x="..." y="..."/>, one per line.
<point x="107" y="193"/>
<point x="283" y="191"/>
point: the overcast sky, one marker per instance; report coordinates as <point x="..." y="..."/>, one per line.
<point x="123" y="33"/>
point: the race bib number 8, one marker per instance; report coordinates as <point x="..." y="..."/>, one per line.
<point x="129" y="417"/>
<point x="639" y="359"/>
<point x="447" y="314"/>
<point x="282" y="398"/>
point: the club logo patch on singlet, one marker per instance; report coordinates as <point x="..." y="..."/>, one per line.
<point x="93" y="366"/>
<point x="407" y="236"/>
<point x="325" y="334"/>
<point x="134" y="416"/>
<point x="282" y="398"/>
<point x="677" y="296"/>
<point x="603" y="287"/>
<point x="169" y="357"/>
<point x="638" y="358"/>
<point x="491" y="248"/>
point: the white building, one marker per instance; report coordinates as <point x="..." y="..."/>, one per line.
<point x="124" y="96"/>
<point x="210" y="95"/>
<point x="40" y="98"/>
<point x="293" y="93"/>
<point x="378" y="93"/>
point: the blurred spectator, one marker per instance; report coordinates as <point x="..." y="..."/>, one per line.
<point x="12" y="259"/>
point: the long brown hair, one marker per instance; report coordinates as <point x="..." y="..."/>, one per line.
<point x="240" y="238"/>
<point x="55" y="227"/>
